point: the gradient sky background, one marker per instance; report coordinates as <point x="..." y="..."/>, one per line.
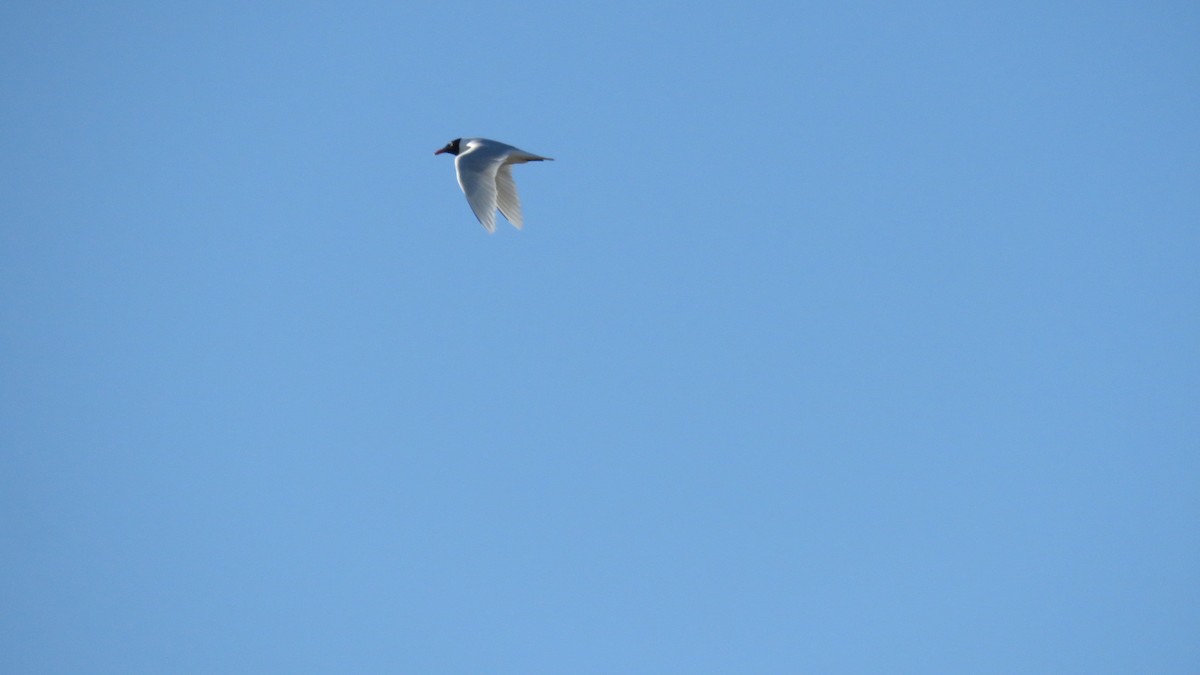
<point x="841" y="338"/>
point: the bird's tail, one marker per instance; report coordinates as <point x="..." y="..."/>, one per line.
<point x="523" y="157"/>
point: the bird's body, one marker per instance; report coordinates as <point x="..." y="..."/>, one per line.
<point x="484" y="170"/>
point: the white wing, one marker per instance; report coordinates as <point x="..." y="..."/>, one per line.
<point x="477" y="178"/>
<point x="510" y="205"/>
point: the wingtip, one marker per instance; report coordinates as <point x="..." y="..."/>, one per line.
<point x="489" y="226"/>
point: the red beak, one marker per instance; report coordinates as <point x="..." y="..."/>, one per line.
<point x="440" y="151"/>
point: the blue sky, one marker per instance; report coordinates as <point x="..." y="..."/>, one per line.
<point x="841" y="338"/>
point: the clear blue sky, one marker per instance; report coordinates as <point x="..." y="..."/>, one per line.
<point x="841" y="338"/>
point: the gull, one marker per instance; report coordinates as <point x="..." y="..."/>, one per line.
<point x="485" y="175"/>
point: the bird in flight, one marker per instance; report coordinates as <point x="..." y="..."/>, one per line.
<point x="485" y="175"/>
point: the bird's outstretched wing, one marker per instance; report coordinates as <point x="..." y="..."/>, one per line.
<point x="510" y="204"/>
<point x="477" y="178"/>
